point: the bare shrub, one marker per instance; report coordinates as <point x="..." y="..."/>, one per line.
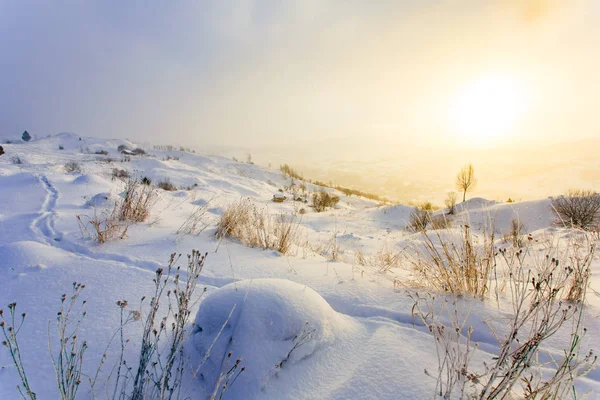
<point x="136" y="202"/>
<point x="419" y="219"/>
<point x="455" y="268"/>
<point x="122" y="147"/>
<point x="120" y="173"/>
<point x="102" y="228"/>
<point x="17" y="160"/>
<point x="138" y="151"/>
<point x="133" y="207"/>
<point x="101" y="152"/>
<point x="322" y="200"/>
<point x="450" y="202"/>
<point x="578" y="208"/>
<point x="166" y="184"/>
<point x="72" y="166"/>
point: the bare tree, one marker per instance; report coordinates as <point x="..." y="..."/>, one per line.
<point x="580" y="208"/>
<point x="451" y="202"/>
<point x="465" y="180"/>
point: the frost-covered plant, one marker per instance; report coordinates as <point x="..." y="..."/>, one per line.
<point x="161" y="362"/>
<point x="10" y="330"/>
<point x="68" y="361"/>
<point x="540" y="293"/>
<point x="158" y="374"/>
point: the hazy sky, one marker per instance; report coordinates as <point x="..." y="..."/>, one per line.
<point x="279" y="72"/>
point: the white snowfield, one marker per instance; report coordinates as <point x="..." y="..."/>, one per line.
<point x="352" y="325"/>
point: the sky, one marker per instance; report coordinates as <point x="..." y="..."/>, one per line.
<point x="295" y="75"/>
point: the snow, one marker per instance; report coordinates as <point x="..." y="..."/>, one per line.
<point x="366" y="344"/>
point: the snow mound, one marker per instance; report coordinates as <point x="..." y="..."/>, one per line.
<point x="90" y="179"/>
<point x="19" y="255"/>
<point x="98" y="200"/>
<point x="475" y="203"/>
<point x="269" y="318"/>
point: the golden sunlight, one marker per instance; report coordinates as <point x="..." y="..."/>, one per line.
<point x="488" y="108"/>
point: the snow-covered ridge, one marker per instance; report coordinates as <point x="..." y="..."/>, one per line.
<point x="365" y="344"/>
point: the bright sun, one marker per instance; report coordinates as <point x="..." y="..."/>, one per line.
<point x="488" y="108"/>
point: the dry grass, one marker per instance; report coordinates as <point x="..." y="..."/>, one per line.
<point x="458" y="268"/>
<point x="385" y="259"/>
<point x="134" y="207"/>
<point x="136" y="203"/>
<point x="196" y="222"/>
<point x="102" y="228"/>
<point x="257" y="228"/>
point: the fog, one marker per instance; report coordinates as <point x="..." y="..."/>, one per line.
<point x="354" y="92"/>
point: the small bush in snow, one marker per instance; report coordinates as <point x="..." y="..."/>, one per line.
<point x="136" y="203"/>
<point x="61" y="147"/>
<point x="450" y="202"/>
<point x="120" y="173"/>
<point x="578" y="208"/>
<point x="122" y="147"/>
<point x="16" y="160"/>
<point x="101" y="152"/>
<point x="323" y="200"/>
<point x="419" y="219"/>
<point x="72" y="166"/>
<point x="257" y="228"/>
<point x="146" y="181"/>
<point x="166" y="185"/>
<point x="138" y="151"/>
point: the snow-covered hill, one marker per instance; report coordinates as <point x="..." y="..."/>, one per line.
<point x="366" y="343"/>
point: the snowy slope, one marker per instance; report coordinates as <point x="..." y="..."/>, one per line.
<point x="366" y="344"/>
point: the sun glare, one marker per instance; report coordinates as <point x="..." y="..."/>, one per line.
<point x="488" y="108"/>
